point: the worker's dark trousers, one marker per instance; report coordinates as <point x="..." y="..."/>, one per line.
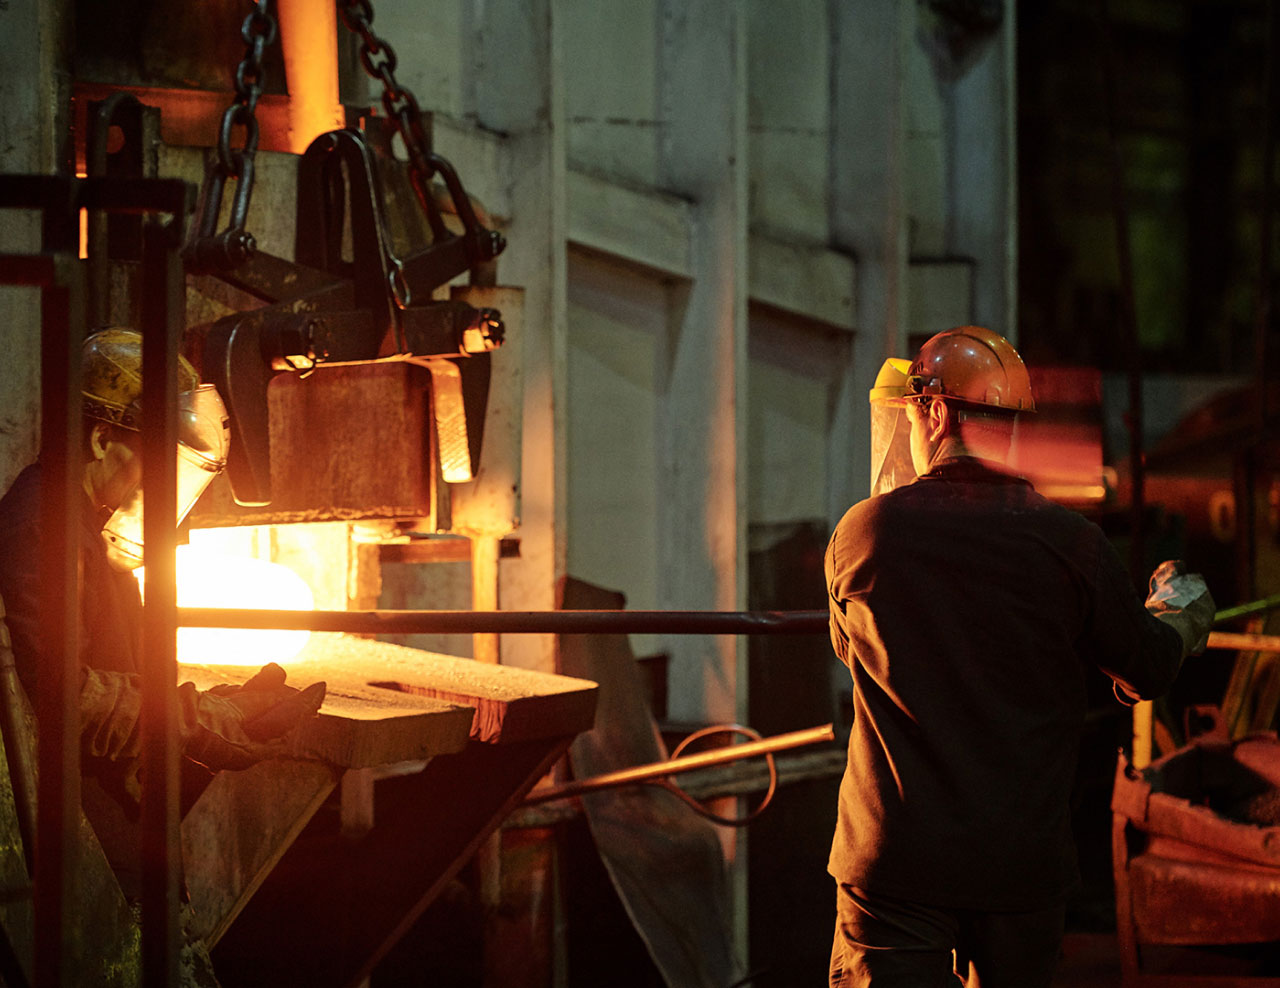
<point x="892" y="943"/>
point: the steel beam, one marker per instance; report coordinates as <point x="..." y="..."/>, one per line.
<point x="162" y="311"/>
<point x="58" y="752"/>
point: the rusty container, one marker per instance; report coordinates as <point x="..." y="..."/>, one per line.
<point x="1196" y="848"/>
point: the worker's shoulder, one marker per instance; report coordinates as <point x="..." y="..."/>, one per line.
<point x="20" y="515"/>
<point x="21" y="508"/>
<point x="872" y="520"/>
<point x="1050" y="523"/>
<point x="1010" y="497"/>
<point x="24" y="492"/>
<point x="865" y="511"/>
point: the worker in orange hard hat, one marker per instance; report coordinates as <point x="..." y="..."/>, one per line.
<point x="227" y="727"/>
<point x="968" y="608"/>
<point x="981" y="375"/>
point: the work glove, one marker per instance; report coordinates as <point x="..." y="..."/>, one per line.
<point x="110" y="704"/>
<point x="1182" y="601"/>
<point x="236" y="726"/>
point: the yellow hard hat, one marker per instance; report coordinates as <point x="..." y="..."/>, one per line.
<point x="112" y="376"/>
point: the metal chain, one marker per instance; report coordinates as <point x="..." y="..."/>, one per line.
<point x="209" y="250"/>
<point x="379" y="60"/>
<point x="258" y="31"/>
<point x="402" y="110"/>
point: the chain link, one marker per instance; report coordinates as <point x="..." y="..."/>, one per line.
<point x="258" y="31"/>
<point x="400" y="105"/>
<point x="209" y="250"/>
<point x="403" y="112"/>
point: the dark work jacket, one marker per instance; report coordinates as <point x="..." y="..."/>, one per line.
<point x="968" y="608"/>
<point x="110" y="606"/>
<point x="110" y="638"/>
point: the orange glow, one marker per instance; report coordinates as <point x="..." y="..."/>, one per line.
<point x="211" y="578"/>
<point x="309" y="39"/>
<point x="190" y="117"/>
<point x="84" y="222"/>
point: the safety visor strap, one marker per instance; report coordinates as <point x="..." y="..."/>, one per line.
<point x="129" y="417"/>
<point x="919" y="386"/>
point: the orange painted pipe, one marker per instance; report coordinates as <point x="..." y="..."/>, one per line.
<point x="309" y="40"/>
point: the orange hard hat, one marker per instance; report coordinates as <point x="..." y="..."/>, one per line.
<point x="974" y="365"/>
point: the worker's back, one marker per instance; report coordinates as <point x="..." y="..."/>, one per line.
<point x="968" y="608"/>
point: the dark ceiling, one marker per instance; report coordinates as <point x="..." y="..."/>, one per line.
<point x="1184" y="126"/>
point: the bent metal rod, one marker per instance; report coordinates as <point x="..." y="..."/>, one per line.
<point x="684" y="763"/>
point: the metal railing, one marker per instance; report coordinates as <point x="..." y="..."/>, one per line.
<point x="59" y="274"/>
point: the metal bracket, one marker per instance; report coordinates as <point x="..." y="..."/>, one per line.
<point x="373" y="307"/>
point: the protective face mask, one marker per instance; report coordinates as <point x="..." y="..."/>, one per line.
<point x="203" y="438"/>
<point x="891" y="465"/>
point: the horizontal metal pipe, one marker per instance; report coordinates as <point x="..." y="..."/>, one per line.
<point x="685" y="763"/>
<point x="569" y="623"/>
<point x="513" y="622"/>
<point x="1246" y="610"/>
<point x="1244" y="642"/>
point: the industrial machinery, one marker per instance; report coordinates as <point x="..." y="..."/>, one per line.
<point x="357" y="301"/>
<point x="361" y="380"/>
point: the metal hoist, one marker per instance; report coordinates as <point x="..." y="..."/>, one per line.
<point x="332" y="307"/>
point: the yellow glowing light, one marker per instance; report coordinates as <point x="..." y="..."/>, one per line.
<point x="84" y="222"/>
<point x="213" y="579"/>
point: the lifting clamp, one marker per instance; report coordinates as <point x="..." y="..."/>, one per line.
<point x="326" y="309"/>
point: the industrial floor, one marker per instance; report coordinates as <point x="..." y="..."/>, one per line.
<point x="1092" y="960"/>
<point x="1089" y="960"/>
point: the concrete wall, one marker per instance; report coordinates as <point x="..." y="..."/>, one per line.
<point x="616" y="321"/>
<point x="32" y="87"/>
<point x="789" y="118"/>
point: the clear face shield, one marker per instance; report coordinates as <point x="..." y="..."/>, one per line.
<point x="203" y="439"/>
<point x="891" y="465"/>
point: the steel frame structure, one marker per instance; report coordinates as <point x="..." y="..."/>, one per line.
<point x="61" y="277"/>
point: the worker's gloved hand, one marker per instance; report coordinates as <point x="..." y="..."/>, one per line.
<point x="110" y="705"/>
<point x="1182" y="600"/>
<point x="235" y="726"/>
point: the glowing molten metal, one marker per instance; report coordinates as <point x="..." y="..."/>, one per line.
<point x="214" y="579"/>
